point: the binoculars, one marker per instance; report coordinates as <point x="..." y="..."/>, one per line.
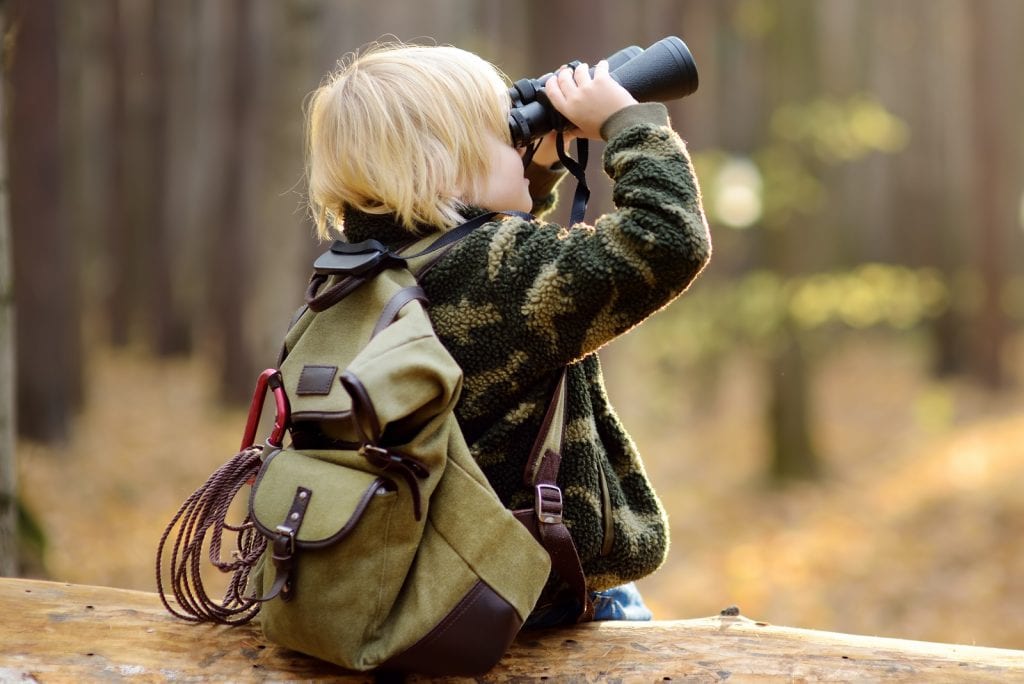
<point x="664" y="71"/>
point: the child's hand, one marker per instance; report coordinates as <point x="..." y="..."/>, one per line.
<point x="587" y="101"/>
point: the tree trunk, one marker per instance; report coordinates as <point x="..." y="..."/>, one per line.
<point x="230" y="265"/>
<point x="44" y="265"/>
<point x="183" y="197"/>
<point x="793" y="454"/>
<point x="8" y="464"/>
<point x="553" y="45"/>
<point x="931" y="217"/>
<point x="281" y="238"/>
<point x="120" y="299"/>
<point x="168" y="323"/>
<point x="991" y="167"/>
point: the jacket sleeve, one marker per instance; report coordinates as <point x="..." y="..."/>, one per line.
<point x="582" y="287"/>
<point x="544" y="296"/>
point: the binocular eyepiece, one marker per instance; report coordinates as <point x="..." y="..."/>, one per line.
<point x="664" y="71"/>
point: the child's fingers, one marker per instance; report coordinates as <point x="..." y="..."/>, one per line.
<point x="582" y="74"/>
<point x="566" y="78"/>
<point x="601" y="70"/>
<point x="553" y="89"/>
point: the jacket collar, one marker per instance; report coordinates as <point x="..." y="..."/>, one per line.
<point x="359" y="226"/>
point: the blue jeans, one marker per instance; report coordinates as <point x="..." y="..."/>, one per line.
<point x="618" y="603"/>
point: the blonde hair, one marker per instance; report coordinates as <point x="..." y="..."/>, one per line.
<point x="399" y="130"/>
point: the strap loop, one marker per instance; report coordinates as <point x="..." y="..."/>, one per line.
<point x="579" y="171"/>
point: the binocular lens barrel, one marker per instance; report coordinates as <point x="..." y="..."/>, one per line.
<point x="525" y="90"/>
<point x="664" y="71"/>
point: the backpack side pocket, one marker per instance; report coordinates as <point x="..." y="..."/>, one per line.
<point x="341" y="541"/>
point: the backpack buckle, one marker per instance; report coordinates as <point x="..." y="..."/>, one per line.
<point x="287" y="537"/>
<point x="359" y="259"/>
<point x="549" y="504"/>
<point x="290" y="527"/>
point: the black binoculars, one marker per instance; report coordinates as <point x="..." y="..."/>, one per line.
<point x="664" y="71"/>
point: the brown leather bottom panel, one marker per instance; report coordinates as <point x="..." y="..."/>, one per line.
<point x="468" y="641"/>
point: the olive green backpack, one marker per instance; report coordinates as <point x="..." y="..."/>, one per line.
<point x="372" y="539"/>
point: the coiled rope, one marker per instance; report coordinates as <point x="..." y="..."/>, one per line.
<point x="202" y="514"/>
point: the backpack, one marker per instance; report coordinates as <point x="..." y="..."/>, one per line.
<point x="372" y="539"/>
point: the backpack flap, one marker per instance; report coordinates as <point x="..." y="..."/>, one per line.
<point x="336" y="497"/>
<point x="325" y="344"/>
<point x="303" y="501"/>
<point x="403" y="370"/>
<point x="407" y="375"/>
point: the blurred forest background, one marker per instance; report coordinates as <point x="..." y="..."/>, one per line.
<point x="833" y="413"/>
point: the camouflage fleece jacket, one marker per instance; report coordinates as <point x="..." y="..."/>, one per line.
<point x="518" y="300"/>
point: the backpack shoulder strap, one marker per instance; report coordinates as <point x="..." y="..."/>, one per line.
<point x="541" y="473"/>
<point x="418" y="257"/>
<point x="421" y="255"/>
<point x="450" y="237"/>
<point x="425" y="253"/>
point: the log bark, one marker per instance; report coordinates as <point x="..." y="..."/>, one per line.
<point x="64" y="632"/>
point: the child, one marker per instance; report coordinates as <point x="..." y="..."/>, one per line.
<point x="406" y="141"/>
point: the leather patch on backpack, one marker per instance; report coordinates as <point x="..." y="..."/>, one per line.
<point x="316" y="379"/>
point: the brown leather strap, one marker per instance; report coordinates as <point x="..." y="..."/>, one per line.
<point x="283" y="546"/>
<point x="364" y="415"/>
<point x="321" y="301"/>
<point x="546" y="521"/>
<point x="395" y="305"/>
<point x="368" y="427"/>
<point x="565" y="561"/>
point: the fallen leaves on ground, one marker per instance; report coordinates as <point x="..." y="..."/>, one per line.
<point x="915" y="531"/>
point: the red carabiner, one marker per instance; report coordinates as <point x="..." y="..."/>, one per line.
<point x="269" y="378"/>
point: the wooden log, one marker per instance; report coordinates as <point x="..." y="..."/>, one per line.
<point x="62" y="632"/>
